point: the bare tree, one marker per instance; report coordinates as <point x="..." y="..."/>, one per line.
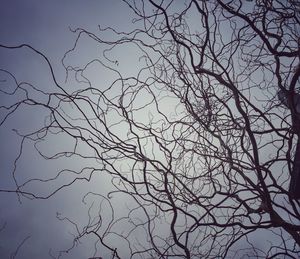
<point x="197" y="140"/>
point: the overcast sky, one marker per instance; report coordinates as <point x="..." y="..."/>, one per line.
<point x="30" y="228"/>
<point x="46" y="26"/>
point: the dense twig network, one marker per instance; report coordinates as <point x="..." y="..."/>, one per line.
<point x="197" y="140"/>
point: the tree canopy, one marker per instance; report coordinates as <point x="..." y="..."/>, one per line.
<point x="188" y="132"/>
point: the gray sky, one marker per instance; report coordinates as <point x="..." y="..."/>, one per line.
<point x="44" y="25"/>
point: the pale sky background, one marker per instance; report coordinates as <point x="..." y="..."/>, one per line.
<point x="44" y="25"/>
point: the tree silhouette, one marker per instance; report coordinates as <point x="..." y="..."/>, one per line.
<point x="197" y="140"/>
